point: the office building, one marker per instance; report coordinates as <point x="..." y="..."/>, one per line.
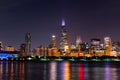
<point x="78" y="44"/>
<point x="107" y="45"/>
<point x="9" y="48"/>
<point x="28" y="44"/>
<point x="53" y="42"/>
<point x="1" y="45"/>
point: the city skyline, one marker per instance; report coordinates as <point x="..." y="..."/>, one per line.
<point x="87" y="19"/>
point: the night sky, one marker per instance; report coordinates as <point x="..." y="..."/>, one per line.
<point x="42" y="18"/>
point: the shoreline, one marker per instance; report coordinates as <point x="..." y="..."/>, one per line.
<point x="44" y="58"/>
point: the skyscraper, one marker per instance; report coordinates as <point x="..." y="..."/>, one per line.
<point x="1" y="45"/>
<point x="107" y="42"/>
<point x="107" y="45"/>
<point x="95" y="45"/>
<point x="64" y="47"/>
<point x="22" y="50"/>
<point x="53" y="42"/>
<point x="28" y="44"/>
<point x="78" y="43"/>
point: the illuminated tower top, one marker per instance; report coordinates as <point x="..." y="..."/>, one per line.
<point x="63" y="22"/>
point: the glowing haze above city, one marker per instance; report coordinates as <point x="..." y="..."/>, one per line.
<point x="43" y="18"/>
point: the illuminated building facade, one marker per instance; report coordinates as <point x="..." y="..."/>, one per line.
<point x="85" y="47"/>
<point x="40" y="51"/>
<point x="9" y="54"/>
<point x="28" y="44"/>
<point x="9" y="48"/>
<point x="1" y="45"/>
<point x="36" y="51"/>
<point x="116" y="47"/>
<point x="64" y="47"/>
<point x="95" y="45"/>
<point x="107" y="45"/>
<point x="53" y="46"/>
<point x="53" y="42"/>
<point x="78" y="43"/>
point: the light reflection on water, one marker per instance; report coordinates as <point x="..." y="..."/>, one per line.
<point x="110" y="72"/>
<point x="11" y="71"/>
<point x="81" y="71"/>
<point x="107" y="72"/>
<point x="53" y="71"/>
<point x="63" y="70"/>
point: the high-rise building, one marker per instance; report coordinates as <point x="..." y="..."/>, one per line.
<point x="107" y="45"/>
<point x="1" y="45"/>
<point x="37" y="51"/>
<point x="64" y="47"/>
<point x="78" y="43"/>
<point x="28" y="44"/>
<point x="22" y="50"/>
<point x="85" y="47"/>
<point x="95" y="45"/>
<point x="53" y="42"/>
<point x="107" y="42"/>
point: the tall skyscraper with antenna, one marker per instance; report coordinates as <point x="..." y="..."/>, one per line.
<point x="64" y="47"/>
<point x="28" y="44"/>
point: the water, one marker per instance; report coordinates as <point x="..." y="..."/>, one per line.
<point x="64" y="70"/>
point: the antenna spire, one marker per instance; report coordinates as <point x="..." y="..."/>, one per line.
<point x="63" y="22"/>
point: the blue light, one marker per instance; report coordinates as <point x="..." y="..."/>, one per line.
<point x="8" y="55"/>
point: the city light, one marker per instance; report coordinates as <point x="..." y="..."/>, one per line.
<point x="95" y="50"/>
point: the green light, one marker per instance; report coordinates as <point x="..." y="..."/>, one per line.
<point x="29" y="58"/>
<point x="59" y="59"/>
<point x="107" y="59"/>
<point x="72" y="59"/>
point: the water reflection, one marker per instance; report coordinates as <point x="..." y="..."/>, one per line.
<point x="107" y="72"/>
<point x="63" y="70"/>
<point x="110" y="72"/>
<point x="66" y="71"/>
<point x="86" y="76"/>
<point x="45" y="71"/>
<point x="98" y="72"/>
<point x="53" y="71"/>
<point x="74" y="67"/>
<point x="11" y="70"/>
<point x="81" y="71"/>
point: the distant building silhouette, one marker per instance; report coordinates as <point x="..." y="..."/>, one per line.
<point x="22" y="50"/>
<point x="28" y="44"/>
<point x="78" y="44"/>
